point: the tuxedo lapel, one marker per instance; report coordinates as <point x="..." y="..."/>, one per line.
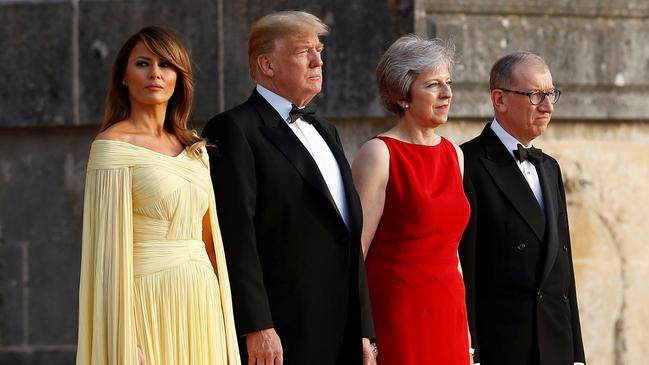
<point x="353" y="207"/>
<point x="283" y="138"/>
<point x="503" y="170"/>
<point x="547" y="178"/>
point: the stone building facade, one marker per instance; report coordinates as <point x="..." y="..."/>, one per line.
<point x="56" y="58"/>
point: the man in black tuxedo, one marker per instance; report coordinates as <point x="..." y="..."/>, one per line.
<point x="290" y="217"/>
<point x="516" y="250"/>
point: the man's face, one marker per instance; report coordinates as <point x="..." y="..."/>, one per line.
<point x="515" y="112"/>
<point x="297" y="67"/>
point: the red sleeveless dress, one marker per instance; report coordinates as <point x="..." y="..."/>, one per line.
<point x="416" y="291"/>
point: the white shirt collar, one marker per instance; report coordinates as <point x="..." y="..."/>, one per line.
<point x="279" y="103"/>
<point x="507" y="139"/>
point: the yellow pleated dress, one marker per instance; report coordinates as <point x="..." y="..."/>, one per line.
<point x="146" y="279"/>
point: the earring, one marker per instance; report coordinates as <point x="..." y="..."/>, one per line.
<point x="124" y="82"/>
<point x="407" y="106"/>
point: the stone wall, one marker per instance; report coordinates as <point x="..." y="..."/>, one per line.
<point x="41" y="203"/>
<point x="596" y="50"/>
<point x="57" y="57"/>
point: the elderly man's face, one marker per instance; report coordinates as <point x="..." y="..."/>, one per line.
<point x="519" y="117"/>
<point x="297" y="67"/>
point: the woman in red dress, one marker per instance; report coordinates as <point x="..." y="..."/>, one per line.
<point x="414" y="212"/>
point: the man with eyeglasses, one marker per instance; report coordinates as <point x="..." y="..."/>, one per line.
<point x="516" y="251"/>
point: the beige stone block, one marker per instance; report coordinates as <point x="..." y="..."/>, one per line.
<point x="597" y="254"/>
<point x="605" y="175"/>
<point x="597" y="53"/>
<point x="599" y="281"/>
<point x="611" y="8"/>
<point x="637" y="310"/>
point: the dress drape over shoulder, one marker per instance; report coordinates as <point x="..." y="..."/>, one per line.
<point x="146" y="279"/>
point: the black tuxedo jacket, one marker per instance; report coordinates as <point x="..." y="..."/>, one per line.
<point x="293" y="263"/>
<point x="517" y="261"/>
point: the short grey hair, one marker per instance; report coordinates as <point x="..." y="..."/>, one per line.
<point x="503" y="70"/>
<point x="406" y="58"/>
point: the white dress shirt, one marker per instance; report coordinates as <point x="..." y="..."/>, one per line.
<point x="317" y="147"/>
<point x="527" y="169"/>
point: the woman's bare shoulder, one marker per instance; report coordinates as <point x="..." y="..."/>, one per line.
<point x="119" y="131"/>
<point x="372" y="160"/>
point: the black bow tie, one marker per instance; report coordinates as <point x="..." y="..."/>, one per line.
<point x="296" y="112"/>
<point x="531" y="154"/>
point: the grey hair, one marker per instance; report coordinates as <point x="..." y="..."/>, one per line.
<point x="503" y="70"/>
<point x="406" y="58"/>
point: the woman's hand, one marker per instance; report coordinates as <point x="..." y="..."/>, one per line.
<point x="369" y="356"/>
<point x="141" y="359"/>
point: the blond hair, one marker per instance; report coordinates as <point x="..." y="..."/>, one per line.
<point x="265" y="31"/>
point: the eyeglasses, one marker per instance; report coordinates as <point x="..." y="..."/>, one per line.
<point x="537" y="97"/>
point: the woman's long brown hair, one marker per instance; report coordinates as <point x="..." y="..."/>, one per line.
<point x="168" y="47"/>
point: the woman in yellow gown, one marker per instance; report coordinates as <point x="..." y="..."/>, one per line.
<point x="154" y="285"/>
